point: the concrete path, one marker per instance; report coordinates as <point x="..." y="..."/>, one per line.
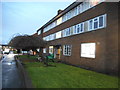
<point x="11" y="77"/>
<point x="0" y="75"/>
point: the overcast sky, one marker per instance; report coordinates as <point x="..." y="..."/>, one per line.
<point x="26" y="17"/>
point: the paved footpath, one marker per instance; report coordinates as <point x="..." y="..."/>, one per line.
<point x="0" y="75"/>
<point x="11" y="77"/>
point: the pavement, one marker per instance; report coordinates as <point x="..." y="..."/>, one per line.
<point x="0" y="75"/>
<point x="11" y="77"/>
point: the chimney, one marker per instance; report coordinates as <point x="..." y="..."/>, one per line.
<point x="59" y="11"/>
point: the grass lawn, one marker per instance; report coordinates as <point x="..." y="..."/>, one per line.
<point x="65" y="76"/>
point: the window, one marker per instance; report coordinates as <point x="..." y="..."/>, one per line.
<point x="51" y="49"/>
<point x="44" y="50"/>
<point x="59" y="21"/>
<point x="47" y="38"/>
<point x="67" y="32"/>
<point x="102" y="21"/>
<point x="88" y="50"/>
<point x="81" y="7"/>
<point x="63" y="33"/>
<point x="75" y="29"/>
<point x="58" y="35"/>
<point x="52" y="36"/>
<point x="85" y="5"/>
<point x="67" y="50"/>
<point x="81" y="27"/>
<point x="97" y="23"/>
<point x="64" y="18"/>
<point x="78" y="9"/>
<point x="78" y="28"/>
<point x="91" y="25"/>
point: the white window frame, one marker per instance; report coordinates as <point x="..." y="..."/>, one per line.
<point x="104" y="23"/>
<point x="58" y="33"/>
<point x="90" y="29"/>
<point x="75" y="29"/>
<point x="65" y="35"/>
<point x="82" y="27"/>
<point x="78" y="27"/>
<point x="69" y="50"/>
<point x="97" y="21"/>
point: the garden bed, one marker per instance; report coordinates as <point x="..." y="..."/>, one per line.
<point x="27" y="58"/>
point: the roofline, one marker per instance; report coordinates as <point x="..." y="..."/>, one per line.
<point x="71" y="6"/>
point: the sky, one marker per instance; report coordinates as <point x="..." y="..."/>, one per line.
<point x="26" y="17"/>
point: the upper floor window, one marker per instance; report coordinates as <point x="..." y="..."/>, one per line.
<point x="95" y="23"/>
<point x="47" y="38"/>
<point x="98" y="22"/>
<point x="59" y="21"/>
<point x="85" y="5"/>
<point x="78" y="28"/>
<point x="102" y="21"/>
<point x="81" y="27"/>
<point x="58" y="35"/>
<point x="91" y="24"/>
<point x="52" y="36"/>
<point x="75" y="29"/>
<point x="64" y="18"/>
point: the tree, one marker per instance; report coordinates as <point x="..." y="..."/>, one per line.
<point x="27" y="42"/>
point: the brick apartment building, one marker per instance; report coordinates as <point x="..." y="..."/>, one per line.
<point x="85" y="34"/>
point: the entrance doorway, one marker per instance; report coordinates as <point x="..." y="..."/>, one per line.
<point x="56" y="50"/>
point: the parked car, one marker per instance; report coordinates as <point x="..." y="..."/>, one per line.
<point x="6" y="51"/>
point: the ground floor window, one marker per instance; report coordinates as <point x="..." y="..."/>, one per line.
<point x="88" y="50"/>
<point x="44" y="50"/>
<point x="67" y="50"/>
<point x="51" y="49"/>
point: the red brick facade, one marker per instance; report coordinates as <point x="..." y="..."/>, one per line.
<point x="106" y="40"/>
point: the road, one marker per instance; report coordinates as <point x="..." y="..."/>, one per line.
<point x="11" y="77"/>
